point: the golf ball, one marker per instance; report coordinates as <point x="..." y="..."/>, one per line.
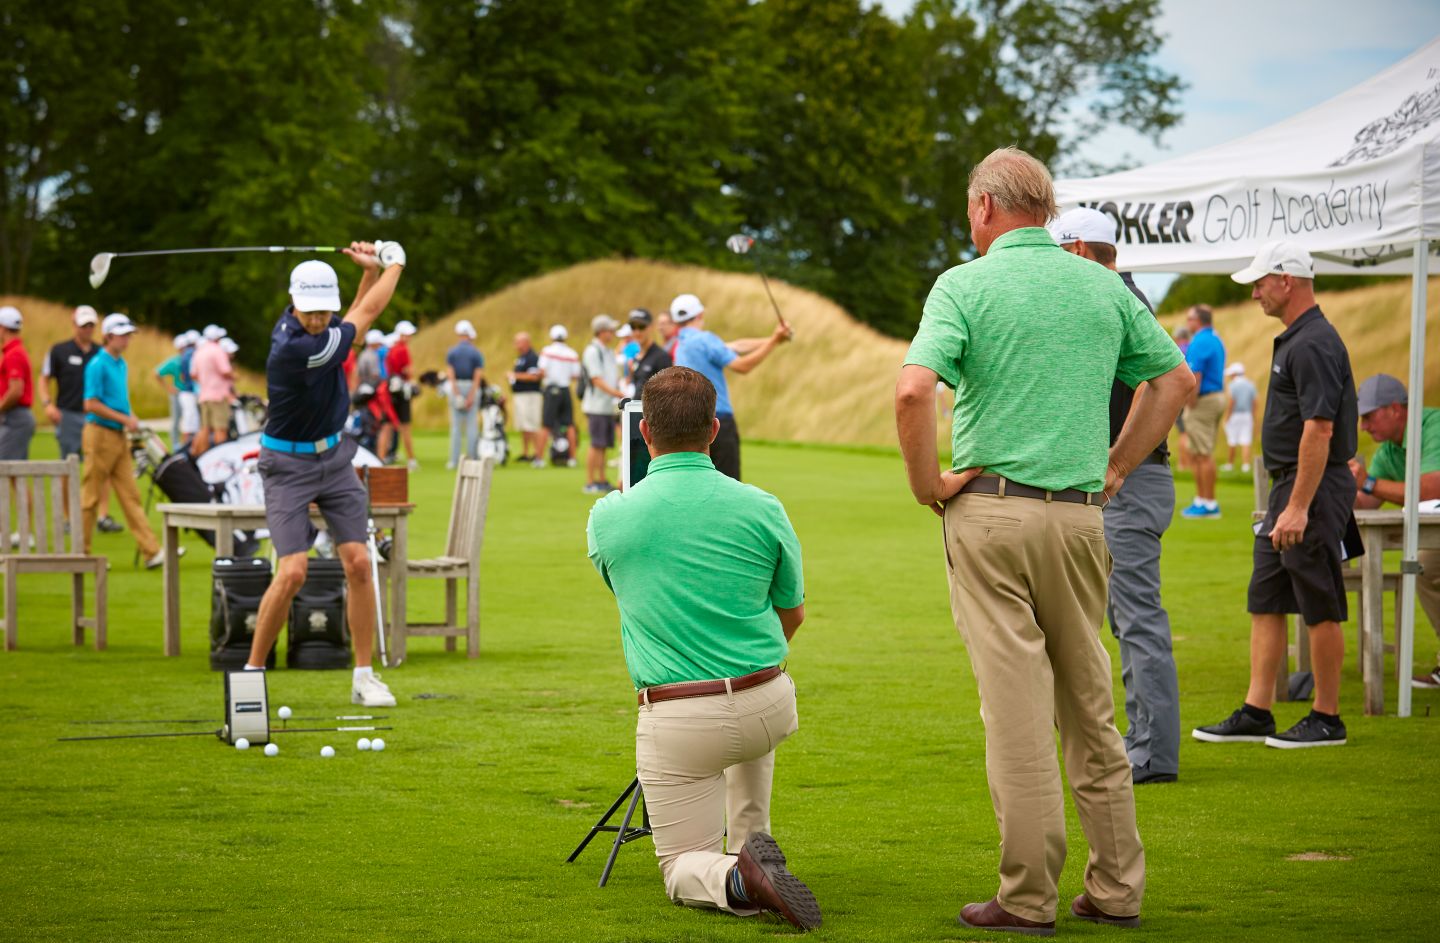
<point x="272" y="749"/>
<point x="242" y="744"/>
<point x="363" y="743"/>
<point x="327" y="752"/>
<point x="284" y="713"/>
<point x="377" y="744"/>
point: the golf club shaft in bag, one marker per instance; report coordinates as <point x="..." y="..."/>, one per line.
<point x="374" y="550"/>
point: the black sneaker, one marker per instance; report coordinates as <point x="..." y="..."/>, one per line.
<point x="108" y="525"/>
<point x="1428" y="682"/>
<point x="1239" y="727"/>
<point x="1141" y="775"/>
<point x="1310" y="732"/>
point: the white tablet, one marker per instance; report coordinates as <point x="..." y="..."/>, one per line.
<point x="634" y="455"/>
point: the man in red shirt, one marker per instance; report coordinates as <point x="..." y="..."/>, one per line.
<point x="17" y="391"/>
<point x="398" y="370"/>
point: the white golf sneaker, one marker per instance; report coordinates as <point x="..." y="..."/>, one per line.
<point x="157" y="561"/>
<point x="370" y="691"/>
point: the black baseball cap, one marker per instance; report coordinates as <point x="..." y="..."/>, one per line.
<point x="639" y="317"/>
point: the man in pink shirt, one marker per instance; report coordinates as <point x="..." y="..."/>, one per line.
<point x="214" y="379"/>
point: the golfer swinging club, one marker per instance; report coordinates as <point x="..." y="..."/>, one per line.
<point x="304" y="457"/>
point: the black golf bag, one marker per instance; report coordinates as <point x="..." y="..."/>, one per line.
<point x="238" y="584"/>
<point x="178" y="478"/>
<point x="319" y="633"/>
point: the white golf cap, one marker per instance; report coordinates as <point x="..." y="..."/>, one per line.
<point x="86" y="315"/>
<point x="1277" y="258"/>
<point x="10" y="317"/>
<point x="624" y="331"/>
<point x="228" y="345"/>
<point x="558" y="332"/>
<point x="685" y="307"/>
<point x="603" y="322"/>
<point x="465" y="329"/>
<point x="374" y="336"/>
<point x="391" y="338"/>
<point x="1082" y="224"/>
<point x="314" y="286"/>
<point x="192" y="337"/>
<point x="181" y="341"/>
<point x="1235" y="370"/>
<point x="212" y="332"/>
<point x="117" y="324"/>
<point x="405" y="329"/>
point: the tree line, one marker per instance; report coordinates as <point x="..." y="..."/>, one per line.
<point x="500" y="139"/>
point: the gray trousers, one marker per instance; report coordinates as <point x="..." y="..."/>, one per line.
<point x="1135" y="520"/>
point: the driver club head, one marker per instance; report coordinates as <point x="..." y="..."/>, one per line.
<point x="99" y="268"/>
<point x="738" y="244"/>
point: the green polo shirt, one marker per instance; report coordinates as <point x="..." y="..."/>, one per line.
<point x="698" y="562"/>
<point x="1389" y="462"/>
<point x="1030" y="338"/>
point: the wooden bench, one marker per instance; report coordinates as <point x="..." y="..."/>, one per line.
<point x="33" y="539"/>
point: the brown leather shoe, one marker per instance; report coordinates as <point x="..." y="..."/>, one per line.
<point x="991" y="916"/>
<point x="769" y="886"/>
<point x="1085" y="909"/>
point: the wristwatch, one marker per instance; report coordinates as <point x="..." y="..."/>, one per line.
<point x="1369" y="486"/>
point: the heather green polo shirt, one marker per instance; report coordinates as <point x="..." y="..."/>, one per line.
<point x="698" y="562"/>
<point x="1389" y="462"/>
<point x="1030" y="338"/>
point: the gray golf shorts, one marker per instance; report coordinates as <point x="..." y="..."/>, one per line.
<point x="69" y="433"/>
<point x="293" y="482"/>
<point x="17" y="428"/>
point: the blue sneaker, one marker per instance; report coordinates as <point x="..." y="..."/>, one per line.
<point x="1197" y="512"/>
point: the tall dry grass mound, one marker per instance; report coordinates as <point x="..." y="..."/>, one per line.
<point x="834" y="383"/>
<point x="47" y="324"/>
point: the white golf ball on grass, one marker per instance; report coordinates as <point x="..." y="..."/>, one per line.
<point x="284" y="713"/>
<point x="377" y="744"/>
<point x="363" y="743"/>
<point x="327" y="752"/>
<point x="242" y="744"/>
<point x="272" y="749"/>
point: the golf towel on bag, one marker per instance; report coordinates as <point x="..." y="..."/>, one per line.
<point x="238" y="585"/>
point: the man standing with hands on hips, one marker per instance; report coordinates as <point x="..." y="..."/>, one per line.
<point x="1031" y="339"/>
<point x="304" y="457"/>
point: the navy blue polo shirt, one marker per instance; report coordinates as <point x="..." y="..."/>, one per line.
<point x="305" y="379"/>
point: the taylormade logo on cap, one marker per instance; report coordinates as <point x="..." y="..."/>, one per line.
<point x="314" y="286"/>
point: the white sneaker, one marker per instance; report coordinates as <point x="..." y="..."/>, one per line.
<point x="370" y="691"/>
<point x="1244" y="468"/>
<point x="1227" y="467"/>
<point x="414" y="465"/>
<point x="157" y="561"/>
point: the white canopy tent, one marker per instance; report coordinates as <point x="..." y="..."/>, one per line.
<point x="1356" y="181"/>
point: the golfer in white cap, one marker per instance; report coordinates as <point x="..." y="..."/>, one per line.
<point x="370" y="371"/>
<point x="214" y="378"/>
<point x="559" y="369"/>
<point x="465" y="374"/>
<point x="701" y="350"/>
<point x="17" y="391"/>
<point x="1239" y="416"/>
<point x="304" y="458"/>
<point x="400" y="381"/>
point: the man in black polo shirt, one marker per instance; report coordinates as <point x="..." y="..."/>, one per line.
<point x="65" y="364"/>
<point x="1308" y="437"/>
<point x="304" y="458"/>
<point x="652" y="357"/>
<point x="1135" y="520"/>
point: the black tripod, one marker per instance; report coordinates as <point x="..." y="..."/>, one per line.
<point x="624" y="832"/>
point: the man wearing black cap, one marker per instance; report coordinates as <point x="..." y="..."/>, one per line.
<point x="652" y="357"/>
<point x="1384" y="410"/>
<point x="1308" y="438"/>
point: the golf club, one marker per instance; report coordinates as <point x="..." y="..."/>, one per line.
<point x="217" y="733"/>
<point x="741" y="244"/>
<point x="207" y="720"/>
<point x="379" y="604"/>
<point x="100" y="264"/>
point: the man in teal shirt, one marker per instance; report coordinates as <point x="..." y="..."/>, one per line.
<point x="708" y="577"/>
<point x="1031" y="338"/>
<point x="1384" y="410"/>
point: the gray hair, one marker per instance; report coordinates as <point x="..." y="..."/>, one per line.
<point x="1017" y="182"/>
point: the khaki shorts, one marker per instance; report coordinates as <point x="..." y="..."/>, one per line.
<point x="1202" y="422"/>
<point x="215" y="416"/>
<point x="528" y="407"/>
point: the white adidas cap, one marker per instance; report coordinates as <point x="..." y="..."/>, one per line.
<point x="1277" y="258"/>
<point x="1082" y="224"/>
<point x="314" y="286"/>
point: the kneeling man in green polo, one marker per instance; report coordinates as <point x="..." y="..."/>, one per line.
<point x="708" y="578"/>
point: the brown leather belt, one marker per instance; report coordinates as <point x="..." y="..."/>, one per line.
<point x="1005" y="488"/>
<point x="669" y="692"/>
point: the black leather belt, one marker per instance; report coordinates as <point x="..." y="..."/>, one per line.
<point x="1005" y="488"/>
<point x="1156" y="458"/>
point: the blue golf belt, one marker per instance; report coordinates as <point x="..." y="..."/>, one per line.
<point x="299" y="448"/>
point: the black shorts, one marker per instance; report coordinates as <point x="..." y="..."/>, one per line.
<point x="1307" y="578"/>
<point x="558" y="410"/>
<point x="725" y="450"/>
<point x="602" y="431"/>
<point x="402" y="408"/>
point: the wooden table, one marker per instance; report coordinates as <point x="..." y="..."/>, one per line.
<point x="1381" y="531"/>
<point x="225" y="519"/>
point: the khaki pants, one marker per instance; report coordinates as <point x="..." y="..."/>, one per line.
<point x="1427" y="587"/>
<point x="108" y="464"/>
<point x="1027" y="589"/>
<point x="703" y="762"/>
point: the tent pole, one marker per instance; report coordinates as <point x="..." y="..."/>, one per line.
<point x="1410" y="566"/>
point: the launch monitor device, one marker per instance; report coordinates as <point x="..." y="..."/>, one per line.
<point x="634" y="454"/>
<point x="247" y="708"/>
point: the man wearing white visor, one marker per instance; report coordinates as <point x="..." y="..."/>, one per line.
<point x="304" y="458"/>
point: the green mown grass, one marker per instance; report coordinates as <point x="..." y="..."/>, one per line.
<point x="460" y="829"/>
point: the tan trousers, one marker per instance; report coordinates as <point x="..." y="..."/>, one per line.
<point x="703" y="762"/>
<point x="1027" y="589"/>
<point x="108" y="464"/>
<point x="1427" y="587"/>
